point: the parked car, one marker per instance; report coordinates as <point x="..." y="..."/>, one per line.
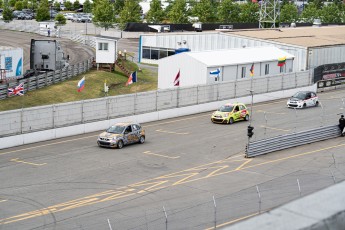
<point x="230" y="113"/>
<point x="303" y="99"/>
<point x="121" y="134"/>
<point x="84" y="18"/>
<point x="76" y="17"/>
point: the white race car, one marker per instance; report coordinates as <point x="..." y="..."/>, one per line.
<point x="303" y="99"/>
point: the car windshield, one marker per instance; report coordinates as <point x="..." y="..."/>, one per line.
<point x="225" y="108"/>
<point x="300" y="95"/>
<point x="116" y="129"/>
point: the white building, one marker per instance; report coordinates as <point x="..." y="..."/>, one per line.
<point x="195" y="67"/>
<point x="106" y="50"/>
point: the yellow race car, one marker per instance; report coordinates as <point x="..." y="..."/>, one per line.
<point x="230" y="113"/>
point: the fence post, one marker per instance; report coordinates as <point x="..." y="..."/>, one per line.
<point x="109" y="225"/>
<point x="53" y="116"/>
<point x="178" y="97"/>
<point x="333" y="177"/>
<point x="82" y="111"/>
<point x="299" y="187"/>
<point x="156" y="100"/>
<point x="215" y="213"/>
<point x="166" y="219"/>
<point x="197" y="94"/>
<point x="259" y="196"/>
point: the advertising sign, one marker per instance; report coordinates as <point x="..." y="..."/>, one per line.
<point x="329" y="75"/>
<point x="11" y="62"/>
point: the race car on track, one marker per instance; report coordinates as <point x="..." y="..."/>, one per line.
<point x="121" y="134"/>
<point x="230" y="113"/>
<point x="303" y="99"/>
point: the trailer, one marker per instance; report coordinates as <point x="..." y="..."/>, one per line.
<point x="11" y="63"/>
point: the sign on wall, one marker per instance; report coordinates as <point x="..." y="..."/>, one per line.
<point x="329" y="75"/>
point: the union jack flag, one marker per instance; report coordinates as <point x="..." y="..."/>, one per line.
<point x="18" y="90"/>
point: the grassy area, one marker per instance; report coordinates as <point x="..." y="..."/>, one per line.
<point x="66" y="91"/>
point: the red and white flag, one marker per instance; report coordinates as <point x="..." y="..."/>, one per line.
<point x="177" y="79"/>
<point x="18" y="90"/>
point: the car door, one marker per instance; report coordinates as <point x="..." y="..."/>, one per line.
<point x="309" y="100"/>
<point x="128" y="135"/>
<point x="136" y="132"/>
<point x="243" y="111"/>
<point x="236" y="113"/>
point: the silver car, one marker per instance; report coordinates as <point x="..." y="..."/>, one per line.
<point x="303" y="99"/>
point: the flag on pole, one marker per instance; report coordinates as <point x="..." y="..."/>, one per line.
<point x="281" y="61"/>
<point x="18" y="90"/>
<point x="177" y="79"/>
<point x="252" y="70"/>
<point x="81" y="84"/>
<point x="132" y="78"/>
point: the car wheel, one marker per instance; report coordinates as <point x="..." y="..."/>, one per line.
<point x="246" y="118"/>
<point x="317" y="104"/>
<point x="142" y="140"/>
<point x="231" y="120"/>
<point x="120" y="144"/>
<point x="304" y="105"/>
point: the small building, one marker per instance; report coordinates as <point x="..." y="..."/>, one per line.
<point x="207" y="67"/>
<point x="106" y="50"/>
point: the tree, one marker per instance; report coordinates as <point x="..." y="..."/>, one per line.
<point x="25" y="4"/>
<point x="7" y="13"/>
<point x="43" y="11"/>
<point x="228" y="11"/>
<point x="156" y="13"/>
<point x="249" y="12"/>
<point x="331" y="13"/>
<point x="12" y="3"/>
<point x="76" y="5"/>
<point x="289" y="13"/>
<point x="310" y="13"/>
<point x="178" y="12"/>
<point x="205" y="10"/>
<point x="104" y="14"/>
<point x="118" y="5"/>
<point x="19" y="6"/>
<point x="57" y="5"/>
<point x="87" y="7"/>
<point x="69" y="5"/>
<point x="61" y="20"/>
<point x="317" y="3"/>
<point x="131" y="12"/>
<point x="1" y="4"/>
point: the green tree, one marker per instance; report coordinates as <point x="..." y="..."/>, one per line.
<point x="317" y="3"/>
<point x="118" y="5"/>
<point x="156" y="13"/>
<point x="76" y="5"/>
<point x="178" y="12"/>
<point x="104" y="14"/>
<point x="43" y="11"/>
<point x="228" y="11"/>
<point x="87" y="7"/>
<point x="12" y="3"/>
<point x="1" y="4"/>
<point x="25" y="4"/>
<point x="131" y="12"/>
<point x="249" y="12"/>
<point x="331" y="13"/>
<point x="60" y="19"/>
<point x="289" y="13"/>
<point x="57" y="5"/>
<point x="69" y="5"/>
<point x="7" y="13"/>
<point x="310" y="13"/>
<point x="19" y="6"/>
<point x="205" y="10"/>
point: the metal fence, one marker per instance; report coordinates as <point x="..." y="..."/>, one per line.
<point x="281" y="142"/>
<point x="33" y="119"/>
<point x="48" y="78"/>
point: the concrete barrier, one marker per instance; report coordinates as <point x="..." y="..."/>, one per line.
<point x="28" y="138"/>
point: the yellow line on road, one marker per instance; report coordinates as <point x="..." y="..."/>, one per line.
<point x="25" y="162"/>
<point x="285" y="130"/>
<point x="160" y="155"/>
<point x="2" y="201"/>
<point x="162" y="131"/>
<point x="234" y="221"/>
<point x="239" y="167"/>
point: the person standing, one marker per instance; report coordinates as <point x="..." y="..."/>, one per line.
<point x="48" y="32"/>
<point x="342" y="125"/>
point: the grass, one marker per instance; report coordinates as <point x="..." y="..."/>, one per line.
<point x="66" y="91"/>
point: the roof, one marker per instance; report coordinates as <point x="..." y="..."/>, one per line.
<point x="106" y="37"/>
<point x="301" y="36"/>
<point x="239" y="56"/>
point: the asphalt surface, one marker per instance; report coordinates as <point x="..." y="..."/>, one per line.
<point x="71" y="183"/>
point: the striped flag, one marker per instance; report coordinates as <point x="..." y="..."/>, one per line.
<point x="252" y="70"/>
<point x="281" y="61"/>
<point x="81" y="84"/>
<point x="177" y="79"/>
<point x="132" y="78"/>
<point x="18" y="90"/>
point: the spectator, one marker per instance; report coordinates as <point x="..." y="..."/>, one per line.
<point x="48" y="32"/>
<point x="342" y="125"/>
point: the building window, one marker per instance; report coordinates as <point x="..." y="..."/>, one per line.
<point x="146" y="53"/>
<point x="281" y="69"/>
<point x="102" y="46"/>
<point x="243" y="74"/>
<point x="267" y="69"/>
<point x="163" y="53"/>
<point x="154" y="54"/>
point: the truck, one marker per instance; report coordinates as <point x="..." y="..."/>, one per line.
<point x="11" y="63"/>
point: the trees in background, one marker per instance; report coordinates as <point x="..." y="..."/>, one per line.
<point x="156" y="13"/>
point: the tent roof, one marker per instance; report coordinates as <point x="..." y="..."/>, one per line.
<point x="239" y="56"/>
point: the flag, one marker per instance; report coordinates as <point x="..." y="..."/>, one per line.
<point x="18" y="90"/>
<point x="132" y="78"/>
<point x="215" y="72"/>
<point x="81" y="84"/>
<point x="177" y="79"/>
<point x="281" y="61"/>
<point x="252" y="70"/>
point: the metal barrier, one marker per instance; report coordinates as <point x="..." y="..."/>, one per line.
<point x="273" y="144"/>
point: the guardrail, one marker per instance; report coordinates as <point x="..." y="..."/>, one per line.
<point x="281" y="142"/>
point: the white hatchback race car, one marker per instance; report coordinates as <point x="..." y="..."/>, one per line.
<point x="303" y="99"/>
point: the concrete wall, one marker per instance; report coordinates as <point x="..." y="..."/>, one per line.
<point x="7" y="142"/>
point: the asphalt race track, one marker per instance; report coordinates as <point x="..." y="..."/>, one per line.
<point x="171" y="179"/>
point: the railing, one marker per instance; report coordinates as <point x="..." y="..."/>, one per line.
<point x="281" y="142"/>
<point x="79" y="112"/>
